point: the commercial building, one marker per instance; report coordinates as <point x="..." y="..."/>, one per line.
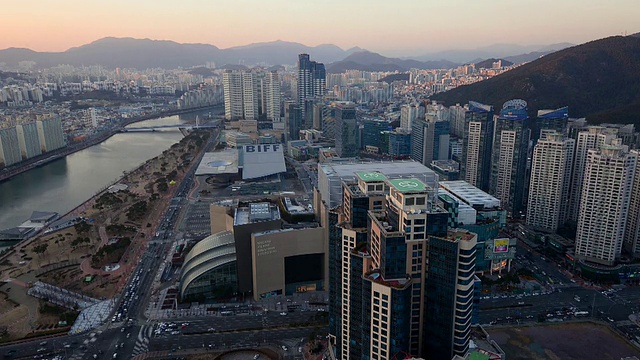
<point x="447" y="170"/>
<point x="474" y="210"/>
<point x="429" y="140"/>
<point x="399" y="143"/>
<point x="346" y="130"/>
<point x="449" y="294"/>
<point x="259" y="161"/>
<point x="477" y="144"/>
<point x="50" y="134"/>
<point x="331" y="175"/>
<point x="293" y="120"/>
<point x="209" y="269"/>
<point x="288" y="261"/>
<point x="237" y="139"/>
<point x="509" y="158"/>
<point x="371" y="133"/>
<point x="28" y="140"/>
<point x="548" y="203"/>
<point x="9" y="147"/>
<point x="256" y="217"/>
<point x="379" y="258"/>
<point x="604" y="204"/>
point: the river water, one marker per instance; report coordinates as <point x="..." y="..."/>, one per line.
<point x="62" y="185"/>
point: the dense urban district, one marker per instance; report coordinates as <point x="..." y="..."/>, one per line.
<point x="306" y="214"/>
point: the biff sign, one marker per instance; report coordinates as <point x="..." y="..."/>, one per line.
<point x="264" y="148"/>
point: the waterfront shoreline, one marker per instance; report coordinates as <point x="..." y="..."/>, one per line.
<point x="31" y="164"/>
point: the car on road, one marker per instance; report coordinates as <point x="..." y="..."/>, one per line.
<point x="256" y="356"/>
<point x="283" y="313"/>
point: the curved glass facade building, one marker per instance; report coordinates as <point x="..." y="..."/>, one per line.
<point x="209" y="271"/>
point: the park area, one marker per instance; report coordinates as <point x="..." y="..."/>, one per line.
<point x="579" y="341"/>
<point x="95" y="255"/>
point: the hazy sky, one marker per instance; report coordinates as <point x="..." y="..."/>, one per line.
<point x="387" y="26"/>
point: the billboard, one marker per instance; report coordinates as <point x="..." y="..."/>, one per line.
<point x="501" y="245"/>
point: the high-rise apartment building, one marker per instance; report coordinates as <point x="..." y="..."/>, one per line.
<point x="272" y="96"/>
<point x="312" y="79"/>
<point x="604" y="205"/>
<point x="240" y="95"/>
<point x="632" y="230"/>
<point x="9" y="147"/>
<point x="28" y="140"/>
<point x="232" y="84"/>
<point x="346" y="130"/>
<point x="548" y="202"/>
<point x="509" y="156"/>
<point x="408" y="114"/>
<point x="592" y="139"/>
<point x="477" y="143"/>
<point x="50" y="134"/>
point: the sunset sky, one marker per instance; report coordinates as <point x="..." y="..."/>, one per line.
<point x="386" y="26"/>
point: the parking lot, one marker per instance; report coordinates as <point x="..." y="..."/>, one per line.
<point x="196" y="221"/>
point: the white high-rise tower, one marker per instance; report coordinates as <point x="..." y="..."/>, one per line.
<point x="550" y="180"/>
<point x="604" y="204"/>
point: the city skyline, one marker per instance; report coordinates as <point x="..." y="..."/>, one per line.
<point x="411" y="28"/>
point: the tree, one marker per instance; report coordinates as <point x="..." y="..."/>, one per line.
<point x="40" y="249"/>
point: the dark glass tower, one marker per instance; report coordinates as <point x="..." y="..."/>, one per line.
<point x="477" y="142"/>
<point x="509" y="157"/>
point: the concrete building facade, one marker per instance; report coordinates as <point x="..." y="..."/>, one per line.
<point x="604" y="204"/>
<point x="548" y="202"/>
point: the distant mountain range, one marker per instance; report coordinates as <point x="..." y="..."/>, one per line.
<point x="504" y="51"/>
<point x="370" y="61"/>
<point x="145" y="53"/>
<point x="599" y="79"/>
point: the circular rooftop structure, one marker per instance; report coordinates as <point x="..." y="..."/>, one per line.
<point x="219" y="163"/>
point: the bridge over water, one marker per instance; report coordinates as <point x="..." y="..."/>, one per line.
<point x="160" y="127"/>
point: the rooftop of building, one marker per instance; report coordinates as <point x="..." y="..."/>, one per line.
<point x="376" y="276"/>
<point x="442" y="193"/>
<point x="380" y="217"/>
<point x="460" y="235"/>
<point x="371" y="176"/>
<point x="470" y="194"/>
<point x="388" y="168"/>
<point x="256" y="212"/>
<point x="219" y="162"/>
<point x="446" y="165"/>
<point x="411" y="185"/>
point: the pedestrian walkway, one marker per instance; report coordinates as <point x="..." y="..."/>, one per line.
<point x="60" y="296"/>
<point x="142" y="342"/>
<point x="92" y="317"/>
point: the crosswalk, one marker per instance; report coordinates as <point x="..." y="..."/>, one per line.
<point x="142" y="342"/>
<point x="78" y="355"/>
